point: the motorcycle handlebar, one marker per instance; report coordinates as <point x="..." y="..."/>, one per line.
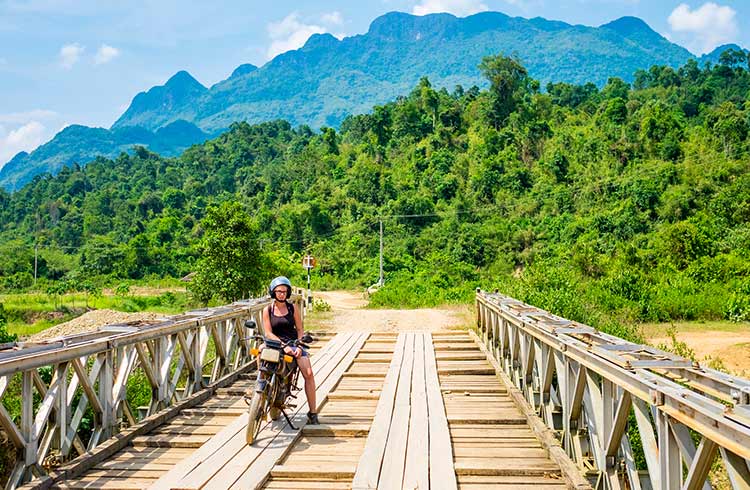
<point x="304" y="342"/>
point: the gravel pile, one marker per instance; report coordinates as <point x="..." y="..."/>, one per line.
<point x="94" y="319"/>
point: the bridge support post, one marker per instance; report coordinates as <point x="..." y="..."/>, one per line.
<point x="106" y="384"/>
<point x="196" y="377"/>
<point x="670" y="465"/>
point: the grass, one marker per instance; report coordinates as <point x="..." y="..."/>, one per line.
<point x="27" y="329"/>
<point x="30" y="313"/>
<point x="318" y="320"/>
<point x="659" y="330"/>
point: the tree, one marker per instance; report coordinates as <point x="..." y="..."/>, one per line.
<point x="509" y="82"/>
<point x="733" y="58"/>
<point x="4" y="335"/>
<point x="231" y="264"/>
<point x="730" y="127"/>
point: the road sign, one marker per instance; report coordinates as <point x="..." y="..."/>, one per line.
<point x="308" y="262"/>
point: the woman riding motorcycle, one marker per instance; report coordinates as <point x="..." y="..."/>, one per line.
<point x="281" y="321"/>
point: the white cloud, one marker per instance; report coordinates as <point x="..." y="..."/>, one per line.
<point x="334" y="18"/>
<point x="25" y="117"/>
<point x="704" y="28"/>
<point x="70" y="54"/>
<point x="105" y="54"/>
<point x="290" y="33"/>
<point x="24" y="138"/>
<point x="459" y="8"/>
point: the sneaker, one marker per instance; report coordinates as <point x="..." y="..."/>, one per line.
<point x="312" y="418"/>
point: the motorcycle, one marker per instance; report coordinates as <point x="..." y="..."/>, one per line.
<point x="276" y="382"/>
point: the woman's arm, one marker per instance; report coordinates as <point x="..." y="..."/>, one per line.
<point x="298" y="323"/>
<point x="267" y="331"/>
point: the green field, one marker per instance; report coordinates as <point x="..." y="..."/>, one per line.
<point x="32" y="312"/>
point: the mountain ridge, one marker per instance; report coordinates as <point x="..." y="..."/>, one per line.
<point x="82" y="144"/>
<point x="397" y="50"/>
<point x="327" y="78"/>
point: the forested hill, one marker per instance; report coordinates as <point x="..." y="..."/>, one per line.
<point x="328" y="79"/>
<point x="81" y="144"/>
<point x="621" y="203"/>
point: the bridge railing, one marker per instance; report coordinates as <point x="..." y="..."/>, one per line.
<point x="613" y="403"/>
<point x="66" y="380"/>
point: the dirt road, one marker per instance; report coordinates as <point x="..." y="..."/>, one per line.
<point x="732" y="348"/>
<point x="348" y="313"/>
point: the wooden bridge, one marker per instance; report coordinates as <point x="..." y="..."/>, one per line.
<point x="524" y="400"/>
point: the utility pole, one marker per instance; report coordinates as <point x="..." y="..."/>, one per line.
<point x="381" y="281"/>
<point x="308" y="262"/>
<point x="36" y="259"/>
<point x="36" y="245"/>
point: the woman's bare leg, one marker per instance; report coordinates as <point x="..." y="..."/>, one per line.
<point x="306" y="369"/>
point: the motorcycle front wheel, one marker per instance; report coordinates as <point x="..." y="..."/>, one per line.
<point x="254" y="416"/>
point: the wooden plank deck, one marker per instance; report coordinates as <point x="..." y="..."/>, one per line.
<point x="409" y="410"/>
<point x="148" y="458"/>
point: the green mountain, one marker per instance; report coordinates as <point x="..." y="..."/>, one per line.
<point x="81" y="144"/>
<point x="161" y="105"/>
<point x="328" y="79"/>
<point x="714" y="56"/>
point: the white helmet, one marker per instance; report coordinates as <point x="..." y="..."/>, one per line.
<point x="281" y="280"/>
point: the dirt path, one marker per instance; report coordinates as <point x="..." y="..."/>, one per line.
<point x="732" y="348"/>
<point x="348" y="313"/>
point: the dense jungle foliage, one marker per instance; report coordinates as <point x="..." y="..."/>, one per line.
<point x="610" y="206"/>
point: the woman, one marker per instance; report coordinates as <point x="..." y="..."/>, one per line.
<point x="281" y="321"/>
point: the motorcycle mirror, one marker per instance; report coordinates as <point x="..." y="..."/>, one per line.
<point x="307" y="338"/>
<point x="250" y="324"/>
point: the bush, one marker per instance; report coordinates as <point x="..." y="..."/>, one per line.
<point x="17" y="282"/>
<point x="737" y="308"/>
<point x="4" y="335"/>
<point x="404" y="289"/>
<point x="320" y="305"/>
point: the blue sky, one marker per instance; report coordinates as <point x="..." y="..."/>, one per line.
<point x="82" y="61"/>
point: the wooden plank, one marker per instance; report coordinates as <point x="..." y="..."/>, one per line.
<point x="442" y="475"/>
<point x="392" y="473"/>
<point x="323" y="470"/>
<point x="224" y="470"/>
<point x="344" y="430"/>
<point x="506" y="466"/>
<point x="216" y="443"/>
<point x="368" y="469"/>
<point x="234" y="454"/>
<point x="157" y="440"/>
<point x="119" y="442"/>
<point x="277" y="483"/>
<point x="256" y="474"/>
<point x="417" y="469"/>
<point x="104" y="483"/>
<point x="569" y="470"/>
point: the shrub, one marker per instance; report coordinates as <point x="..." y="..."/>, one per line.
<point x="4" y="335"/>
<point x="737" y="308"/>
<point x="320" y="305"/>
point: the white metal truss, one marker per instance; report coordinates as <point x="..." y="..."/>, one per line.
<point x="90" y="373"/>
<point x="602" y="395"/>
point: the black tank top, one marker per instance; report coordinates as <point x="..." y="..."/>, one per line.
<point x="283" y="326"/>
